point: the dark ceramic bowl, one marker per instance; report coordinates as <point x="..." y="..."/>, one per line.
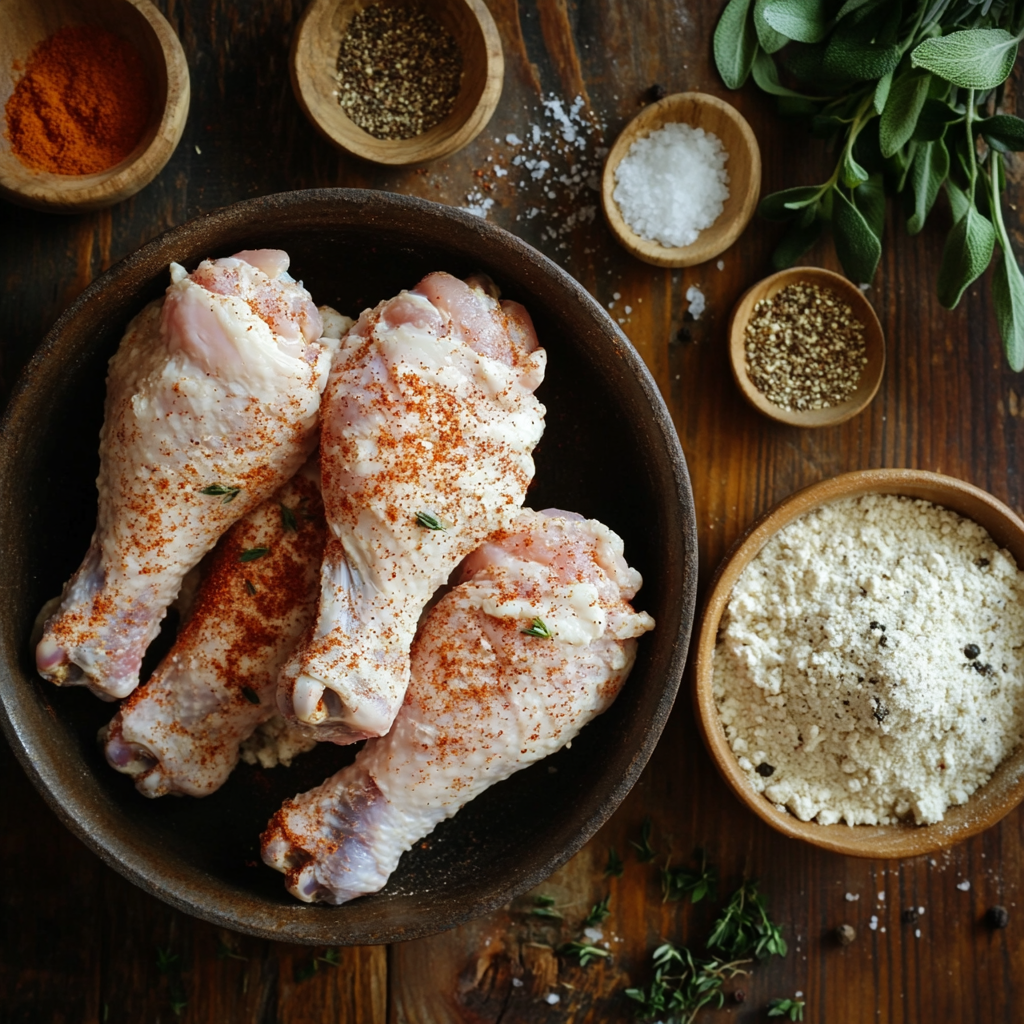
<point x="610" y="451"/>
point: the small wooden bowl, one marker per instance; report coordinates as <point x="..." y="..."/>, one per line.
<point x="987" y="805"/>
<point x="698" y="110"/>
<point x="26" y="24"/>
<point x="874" y="340"/>
<point x="314" y="59"/>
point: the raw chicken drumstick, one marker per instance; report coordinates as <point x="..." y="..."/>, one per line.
<point x="212" y="404"/>
<point x="506" y="669"/>
<point x="180" y="732"/>
<point x="428" y="424"/>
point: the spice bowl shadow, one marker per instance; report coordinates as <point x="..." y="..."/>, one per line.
<point x="874" y="340"/>
<point x="988" y="804"/>
<point x="719" y="118"/>
<point x="314" y="58"/>
<point x="27" y="23"/>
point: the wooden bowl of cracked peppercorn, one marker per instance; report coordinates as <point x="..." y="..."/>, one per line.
<point x="806" y="348"/>
<point x="882" y="618"/>
<point x="397" y="82"/>
<point x="95" y="96"/>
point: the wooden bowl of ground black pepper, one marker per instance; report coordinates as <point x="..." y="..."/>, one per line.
<point x="397" y="82"/>
<point x="812" y="356"/>
<point x="53" y="156"/>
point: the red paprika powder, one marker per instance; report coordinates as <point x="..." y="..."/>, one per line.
<point x="81" y="105"/>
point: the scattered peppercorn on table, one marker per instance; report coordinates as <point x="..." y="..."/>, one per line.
<point x="938" y="938"/>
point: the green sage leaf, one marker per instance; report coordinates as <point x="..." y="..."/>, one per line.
<point x="766" y="75"/>
<point x="959" y="203"/>
<point x="927" y="173"/>
<point x="1003" y="132"/>
<point x="769" y="39"/>
<point x="858" y="61"/>
<point x="735" y="43"/>
<point x="853" y="174"/>
<point x="869" y="198"/>
<point x="796" y="241"/>
<point x="1008" y="300"/>
<point x="803" y="20"/>
<point x="975" y="58"/>
<point x="857" y="246"/>
<point x="785" y="204"/>
<point x="882" y="92"/>
<point x="935" y="117"/>
<point x="899" y="118"/>
<point x="967" y="253"/>
<point x="850" y="6"/>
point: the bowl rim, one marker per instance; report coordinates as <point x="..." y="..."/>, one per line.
<point x="712" y="241"/>
<point x="71" y="193"/>
<point x="875" y="346"/>
<point x="437" y="142"/>
<point x="93" y="821"/>
<point x="890" y="842"/>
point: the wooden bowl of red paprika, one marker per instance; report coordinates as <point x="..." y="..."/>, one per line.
<point x="95" y="96"/>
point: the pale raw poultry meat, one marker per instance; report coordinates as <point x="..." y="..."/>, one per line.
<point x="429" y="421"/>
<point x="491" y="692"/>
<point x="212" y="403"/>
<point x="181" y="731"/>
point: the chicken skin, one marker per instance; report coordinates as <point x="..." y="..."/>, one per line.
<point x="181" y="731"/>
<point x="429" y="421"/>
<point x="506" y="669"/>
<point x="212" y="404"/>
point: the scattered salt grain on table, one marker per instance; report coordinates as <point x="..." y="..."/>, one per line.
<point x="695" y="297"/>
<point x="672" y="184"/>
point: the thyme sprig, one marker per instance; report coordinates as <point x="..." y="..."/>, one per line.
<point x="645" y="853"/>
<point x="679" y="882"/>
<point x="251" y="554"/>
<point x="544" y="906"/>
<point x="538" y="629"/>
<point x="288" y="521"/>
<point x="906" y="93"/>
<point x="598" y="913"/>
<point x="583" y="951"/>
<point x="220" y="490"/>
<point x="792" y="1008"/>
<point x="614" y="867"/>
<point x="430" y="521"/>
<point x="744" y="928"/>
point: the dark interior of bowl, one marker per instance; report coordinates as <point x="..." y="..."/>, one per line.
<point x="609" y="451"/>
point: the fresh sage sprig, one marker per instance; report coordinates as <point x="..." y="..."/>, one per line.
<point x="908" y="91"/>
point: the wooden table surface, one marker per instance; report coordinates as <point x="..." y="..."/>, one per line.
<point x="80" y="944"/>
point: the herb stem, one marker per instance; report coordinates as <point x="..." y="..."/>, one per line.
<point x="971" y="148"/>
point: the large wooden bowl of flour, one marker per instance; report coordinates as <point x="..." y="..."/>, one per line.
<point x="989" y="803"/>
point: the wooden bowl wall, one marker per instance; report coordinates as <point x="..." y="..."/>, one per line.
<point x="352" y="248"/>
<point x="993" y="801"/>
<point x="874" y="340"/>
<point x="26" y="24"/>
<point x="314" y="60"/>
<point x="698" y="110"/>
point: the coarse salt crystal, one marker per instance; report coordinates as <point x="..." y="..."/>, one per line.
<point x="881" y="896"/>
<point x="964" y="885"/>
<point x="695" y="297"/>
<point x="594" y="934"/>
<point x="552" y="998"/>
<point x="672" y="184"/>
<point x="517" y="982"/>
<point x="628" y="310"/>
<point x="873" y="923"/>
<point x="851" y="897"/>
<point x="720" y="264"/>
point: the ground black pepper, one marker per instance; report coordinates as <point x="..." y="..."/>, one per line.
<point x="764" y="769"/>
<point x="971" y="651"/>
<point x="805" y="348"/>
<point x="399" y="71"/>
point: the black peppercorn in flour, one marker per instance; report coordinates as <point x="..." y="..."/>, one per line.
<point x="846" y="661"/>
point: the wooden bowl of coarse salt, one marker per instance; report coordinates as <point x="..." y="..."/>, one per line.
<point x="798" y="362"/>
<point x="682" y="180"/>
<point x="863" y="668"/>
<point x="398" y="81"/>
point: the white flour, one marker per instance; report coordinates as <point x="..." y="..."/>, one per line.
<point x="846" y="671"/>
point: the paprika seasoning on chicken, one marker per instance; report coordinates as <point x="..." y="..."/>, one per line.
<point x="81" y="105"/>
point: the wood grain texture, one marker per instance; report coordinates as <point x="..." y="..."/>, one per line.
<point x="75" y="936"/>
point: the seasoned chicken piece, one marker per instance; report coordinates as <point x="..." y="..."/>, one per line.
<point x="506" y="669"/>
<point x="212" y="404"/>
<point x="429" y="422"/>
<point x="180" y="732"/>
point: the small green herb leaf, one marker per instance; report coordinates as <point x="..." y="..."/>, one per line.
<point x="585" y="952"/>
<point x="792" y="1008"/>
<point x="803" y="20"/>
<point x="219" y="490"/>
<point x="250" y="695"/>
<point x="796" y="241"/>
<point x="766" y="75"/>
<point x="1003" y="132"/>
<point x="165" y="959"/>
<point x="538" y="629"/>
<point x="858" y="247"/>
<point x="869" y="198"/>
<point x="976" y="58"/>
<point x="859" y="61"/>
<point x="430" y="521"/>
<point x="1008" y="299"/>
<point x="644" y="851"/>
<point x="881" y="93"/>
<point x="899" y="118"/>
<point x="249" y="588"/>
<point x="288" y="521"/>
<point x="614" y="867"/>
<point x="543" y="906"/>
<point x="927" y="173"/>
<point x="967" y="253"/>
<point x="251" y="554"/>
<point x="598" y="912"/>
<point x="769" y="39"/>
<point x="787" y="203"/>
<point x="853" y="174"/>
<point x="735" y="43"/>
